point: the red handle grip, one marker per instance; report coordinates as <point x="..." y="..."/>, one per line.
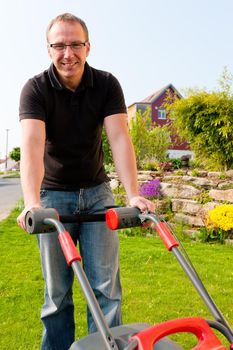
<point x="70" y="252"/>
<point x="207" y="340"/>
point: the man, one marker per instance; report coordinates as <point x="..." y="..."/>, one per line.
<point x="62" y="111"/>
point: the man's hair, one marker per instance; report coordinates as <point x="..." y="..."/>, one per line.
<point x="67" y="17"/>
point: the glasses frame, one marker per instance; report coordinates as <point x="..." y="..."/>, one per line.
<point x="63" y="47"/>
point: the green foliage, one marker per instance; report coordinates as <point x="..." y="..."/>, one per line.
<point x="180" y="229"/>
<point x="15" y="154"/>
<point x="210" y="235"/>
<point x="203" y="197"/>
<point x="108" y="160"/>
<point x="179" y="172"/>
<point x="109" y="167"/>
<point x="222" y="176"/>
<point x="206" y="121"/>
<point x="138" y="131"/>
<point x="150" y="142"/>
<point x="158" y="142"/>
<point x="195" y="172"/>
<point x="11" y="174"/>
<point x="151" y="164"/>
<point x="177" y="163"/>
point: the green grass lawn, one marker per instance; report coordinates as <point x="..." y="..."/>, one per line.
<point x="155" y="288"/>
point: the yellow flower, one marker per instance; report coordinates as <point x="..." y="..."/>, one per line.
<point x="221" y="217"/>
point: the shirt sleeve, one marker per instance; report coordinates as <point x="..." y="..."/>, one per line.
<point x="115" y="101"/>
<point x="31" y="105"/>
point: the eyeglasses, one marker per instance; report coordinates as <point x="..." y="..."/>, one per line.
<point x="73" y="46"/>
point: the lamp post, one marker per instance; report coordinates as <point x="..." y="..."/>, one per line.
<point x="7" y="130"/>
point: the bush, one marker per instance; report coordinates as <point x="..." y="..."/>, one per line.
<point x="15" y="154"/>
<point x="150" y="142"/>
<point x="207" y="234"/>
<point x="177" y="163"/>
<point x="206" y="121"/>
<point x="108" y="160"/>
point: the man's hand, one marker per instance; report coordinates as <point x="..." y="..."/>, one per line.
<point x="21" y="218"/>
<point x="142" y="203"/>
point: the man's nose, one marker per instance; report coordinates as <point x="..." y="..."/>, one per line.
<point x="68" y="51"/>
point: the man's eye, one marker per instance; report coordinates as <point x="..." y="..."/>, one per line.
<point x="58" y="47"/>
<point x="76" y="46"/>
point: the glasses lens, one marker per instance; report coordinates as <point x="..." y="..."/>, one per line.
<point x="58" y="47"/>
<point x="77" y="46"/>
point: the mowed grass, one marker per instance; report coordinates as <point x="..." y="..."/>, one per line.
<point x="155" y="287"/>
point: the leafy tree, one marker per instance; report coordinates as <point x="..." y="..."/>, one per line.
<point x="108" y="160"/>
<point x="205" y="119"/>
<point x="150" y="142"/>
<point x="158" y="142"/>
<point x="138" y="131"/>
<point x="15" y="154"/>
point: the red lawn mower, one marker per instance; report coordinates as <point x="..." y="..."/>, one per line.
<point x="139" y="336"/>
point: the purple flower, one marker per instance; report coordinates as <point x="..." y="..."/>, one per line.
<point x="150" y="188"/>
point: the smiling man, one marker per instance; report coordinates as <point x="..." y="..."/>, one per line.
<point x="62" y="113"/>
<point x="69" y="59"/>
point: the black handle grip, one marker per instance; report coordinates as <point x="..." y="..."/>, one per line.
<point x="116" y="218"/>
<point x="123" y="217"/>
<point x="34" y="220"/>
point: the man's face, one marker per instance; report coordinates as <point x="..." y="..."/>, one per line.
<point x="68" y="61"/>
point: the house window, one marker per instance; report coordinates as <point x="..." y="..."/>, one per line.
<point x="161" y="113"/>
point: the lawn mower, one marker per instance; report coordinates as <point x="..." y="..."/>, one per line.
<point x="138" y="336"/>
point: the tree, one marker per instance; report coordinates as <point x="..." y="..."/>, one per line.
<point x="108" y="160"/>
<point x="138" y="130"/>
<point x="15" y="154"/>
<point x="150" y="142"/>
<point x="205" y="119"/>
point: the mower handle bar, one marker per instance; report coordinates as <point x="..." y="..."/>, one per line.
<point x="44" y="220"/>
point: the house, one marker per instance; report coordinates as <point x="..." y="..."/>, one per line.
<point x="9" y="165"/>
<point x="161" y="117"/>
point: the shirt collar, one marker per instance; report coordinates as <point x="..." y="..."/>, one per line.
<point x="87" y="79"/>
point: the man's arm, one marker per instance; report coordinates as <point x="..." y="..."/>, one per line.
<point x="31" y="164"/>
<point x="124" y="159"/>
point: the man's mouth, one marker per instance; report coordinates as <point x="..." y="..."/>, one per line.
<point x="69" y="64"/>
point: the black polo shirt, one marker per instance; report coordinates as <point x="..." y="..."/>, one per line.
<point x="74" y="120"/>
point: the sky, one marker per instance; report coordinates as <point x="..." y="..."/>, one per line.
<point x="146" y="44"/>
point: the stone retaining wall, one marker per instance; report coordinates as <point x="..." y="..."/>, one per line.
<point x="189" y="197"/>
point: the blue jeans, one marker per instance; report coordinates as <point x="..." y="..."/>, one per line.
<point x="99" y="250"/>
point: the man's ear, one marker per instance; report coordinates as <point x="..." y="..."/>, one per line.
<point x="88" y="48"/>
<point x="49" y="51"/>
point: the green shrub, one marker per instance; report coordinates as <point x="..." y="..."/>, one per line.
<point x="195" y="172"/>
<point x="150" y="142"/>
<point x="177" y="163"/>
<point x="15" y="154"/>
<point x="179" y="172"/>
<point x="108" y="160"/>
<point x="206" y="120"/>
<point x="203" y="197"/>
<point x="207" y="234"/>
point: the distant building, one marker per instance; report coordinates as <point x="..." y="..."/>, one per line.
<point x="160" y="117"/>
<point x="11" y="164"/>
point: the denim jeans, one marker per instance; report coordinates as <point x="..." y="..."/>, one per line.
<point x="99" y="250"/>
